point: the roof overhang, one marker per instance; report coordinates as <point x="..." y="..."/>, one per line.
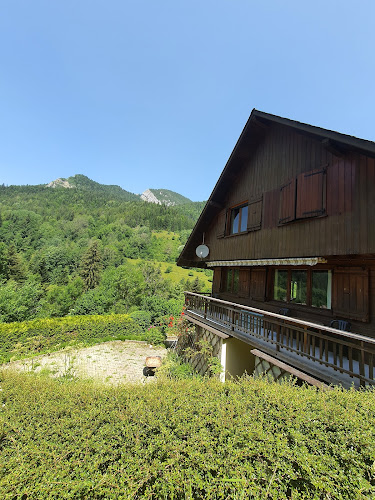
<point x="299" y="261"/>
<point x="250" y="138"/>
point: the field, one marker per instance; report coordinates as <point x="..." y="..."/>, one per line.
<point x="112" y="362"/>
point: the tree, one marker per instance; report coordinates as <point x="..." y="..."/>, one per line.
<point x="15" y="267"/>
<point x="91" y="266"/>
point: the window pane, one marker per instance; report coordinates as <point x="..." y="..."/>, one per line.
<point x="321" y="289"/>
<point x="280" y="285"/>
<point x="235" y="219"/>
<point x="229" y="280"/>
<point x="236" y="280"/>
<point x="244" y="218"/>
<point x="298" y="287"/>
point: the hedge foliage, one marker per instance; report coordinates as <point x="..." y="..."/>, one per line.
<point x="184" y="440"/>
<point x="26" y="338"/>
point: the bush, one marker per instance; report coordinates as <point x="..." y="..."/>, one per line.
<point x="184" y="440"/>
<point x="26" y="338"/>
<point x="174" y="368"/>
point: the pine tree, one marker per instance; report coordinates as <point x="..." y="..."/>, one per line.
<point x="196" y="285"/>
<point x="15" y="267"/>
<point x="91" y="266"/>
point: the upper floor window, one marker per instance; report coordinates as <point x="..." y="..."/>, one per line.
<point x="303" y="197"/>
<point x="238" y="219"/>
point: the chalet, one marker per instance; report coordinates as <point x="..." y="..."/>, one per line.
<point x="289" y="234"/>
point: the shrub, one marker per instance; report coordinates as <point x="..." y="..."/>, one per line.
<point x="42" y="335"/>
<point x="184" y="439"/>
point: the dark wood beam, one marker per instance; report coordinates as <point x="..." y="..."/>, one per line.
<point x="333" y="148"/>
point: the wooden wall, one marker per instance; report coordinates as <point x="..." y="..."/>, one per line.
<point x="353" y="293"/>
<point x="345" y="228"/>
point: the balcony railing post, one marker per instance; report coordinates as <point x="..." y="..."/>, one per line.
<point x="232" y="320"/>
<point x="362" y="364"/>
<point x="351" y="354"/>
<point x="278" y="337"/>
<point x="305" y="339"/>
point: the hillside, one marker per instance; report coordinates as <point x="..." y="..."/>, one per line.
<point x="164" y="197"/>
<point x="81" y="182"/>
<point x="53" y="239"/>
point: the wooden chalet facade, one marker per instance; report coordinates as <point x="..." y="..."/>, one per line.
<point x="290" y="232"/>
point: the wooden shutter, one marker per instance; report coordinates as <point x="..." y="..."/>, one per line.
<point x="258" y="284"/>
<point x="271" y="208"/>
<point x="221" y="224"/>
<point x="311" y="194"/>
<point x="350" y="293"/>
<point x="244" y="282"/>
<point x="287" y="205"/>
<point x="216" y="282"/>
<point x="254" y="215"/>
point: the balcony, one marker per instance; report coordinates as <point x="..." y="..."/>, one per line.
<point x="328" y="355"/>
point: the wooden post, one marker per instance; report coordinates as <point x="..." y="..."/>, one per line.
<point x="232" y="320"/>
<point x="362" y="365"/>
<point x="305" y="339"/>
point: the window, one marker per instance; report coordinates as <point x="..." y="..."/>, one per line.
<point x="298" y="287"/>
<point x="238" y="219"/>
<point x="280" y="285"/>
<point x="321" y="286"/>
<point x="305" y="287"/>
<point x="303" y="197"/>
<point x="231" y="280"/>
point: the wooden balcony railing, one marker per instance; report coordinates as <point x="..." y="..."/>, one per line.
<point x="336" y="356"/>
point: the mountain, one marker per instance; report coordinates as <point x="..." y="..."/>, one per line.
<point x="164" y="197"/>
<point x="83" y="183"/>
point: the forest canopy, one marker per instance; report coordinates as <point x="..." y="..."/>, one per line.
<point x="88" y="250"/>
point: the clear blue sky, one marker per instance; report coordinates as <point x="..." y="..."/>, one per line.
<point x="154" y="94"/>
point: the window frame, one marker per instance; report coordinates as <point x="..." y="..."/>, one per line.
<point x="229" y="287"/>
<point x="240" y="207"/>
<point x="309" y="275"/>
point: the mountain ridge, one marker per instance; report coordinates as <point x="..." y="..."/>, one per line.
<point x="157" y="196"/>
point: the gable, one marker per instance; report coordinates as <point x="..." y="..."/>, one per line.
<point x="283" y="175"/>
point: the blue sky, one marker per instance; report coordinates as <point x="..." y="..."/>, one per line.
<point x="154" y="94"/>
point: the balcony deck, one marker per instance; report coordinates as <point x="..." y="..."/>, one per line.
<point x="327" y="354"/>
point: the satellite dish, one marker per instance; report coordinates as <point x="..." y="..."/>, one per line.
<point x="202" y="251"/>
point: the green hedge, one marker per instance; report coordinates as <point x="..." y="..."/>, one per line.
<point x="184" y="440"/>
<point x="26" y="338"/>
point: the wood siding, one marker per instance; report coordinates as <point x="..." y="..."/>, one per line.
<point x="353" y="294"/>
<point x="346" y="205"/>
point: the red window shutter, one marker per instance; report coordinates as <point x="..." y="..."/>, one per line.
<point x="258" y="284"/>
<point x="311" y="194"/>
<point x="221" y="224"/>
<point x="287" y="205"/>
<point x="254" y="215"/>
<point x="350" y="293"/>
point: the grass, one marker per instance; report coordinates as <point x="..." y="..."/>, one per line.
<point x="179" y="273"/>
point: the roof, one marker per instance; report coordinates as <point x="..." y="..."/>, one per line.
<point x="244" y="148"/>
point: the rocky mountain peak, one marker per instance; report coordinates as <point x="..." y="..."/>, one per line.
<point x="60" y="182"/>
